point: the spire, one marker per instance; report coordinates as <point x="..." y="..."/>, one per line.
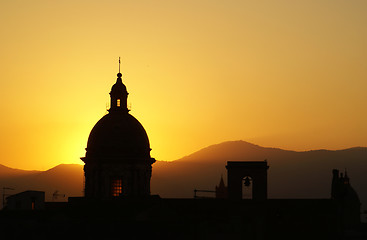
<point x="221" y="190"/>
<point x="119" y="94"/>
<point x="119" y="75"/>
<point x="221" y="182"/>
<point x="119" y="64"/>
<point x="346" y="178"/>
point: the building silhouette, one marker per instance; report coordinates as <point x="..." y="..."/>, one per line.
<point x="27" y="200"/>
<point x="117" y="201"/>
<point x="117" y="160"/>
<point x="254" y="170"/>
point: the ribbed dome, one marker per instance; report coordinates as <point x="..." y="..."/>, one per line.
<point x="118" y="135"/>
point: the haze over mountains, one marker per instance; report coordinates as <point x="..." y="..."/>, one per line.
<point x="65" y="178"/>
<point x="291" y="174"/>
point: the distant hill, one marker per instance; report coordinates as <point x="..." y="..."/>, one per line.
<point x="291" y="174"/>
<point x="65" y="178"/>
<point x="8" y="172"/>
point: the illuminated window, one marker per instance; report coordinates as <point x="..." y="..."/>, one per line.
<point x="118" y="102"/>
<point x="116" y="187"/>
<point x="33" y="206"/>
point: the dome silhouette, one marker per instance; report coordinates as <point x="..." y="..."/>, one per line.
<point x="118" y="134"/>
<point x="117" y="161"/>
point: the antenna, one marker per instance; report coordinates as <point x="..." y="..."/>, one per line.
<point x="56" y="194"/>
<point x="119" y="65"/>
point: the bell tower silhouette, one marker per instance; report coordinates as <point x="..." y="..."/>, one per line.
<point x="254" y="170"/>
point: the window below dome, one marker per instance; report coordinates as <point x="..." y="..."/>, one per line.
<point x="116" y="187"/>
<point x="118" y="102"/>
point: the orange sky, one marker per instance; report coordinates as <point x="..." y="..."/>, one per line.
<point x="289" y="74"/>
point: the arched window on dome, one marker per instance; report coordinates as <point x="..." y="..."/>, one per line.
<point x="118" y="102"/>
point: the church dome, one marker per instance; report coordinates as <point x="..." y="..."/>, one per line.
<point x="118" y="135"/>
<point x="117" y="161"/>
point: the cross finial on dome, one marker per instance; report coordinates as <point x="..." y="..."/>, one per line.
<point x="119" y="75"/>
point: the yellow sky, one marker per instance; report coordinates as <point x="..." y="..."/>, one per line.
<point x="289" y="74"/>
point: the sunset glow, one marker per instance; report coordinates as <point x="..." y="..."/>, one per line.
<point x="289" y="74"/>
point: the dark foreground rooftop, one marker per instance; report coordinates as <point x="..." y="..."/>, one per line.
<point x="154" y="217"/>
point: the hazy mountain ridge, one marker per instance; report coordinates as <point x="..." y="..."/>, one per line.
<point x="7" y="171"/>
<point x="232" y="149"/>
<point x="291" y="174"/>
<point x="65" y="178"/>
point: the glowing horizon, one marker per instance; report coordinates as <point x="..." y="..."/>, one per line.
<point x="289" y="74"/>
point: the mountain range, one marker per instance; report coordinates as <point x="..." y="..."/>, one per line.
<point x="291" y="174"/>
<point x="64" y="179"/>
